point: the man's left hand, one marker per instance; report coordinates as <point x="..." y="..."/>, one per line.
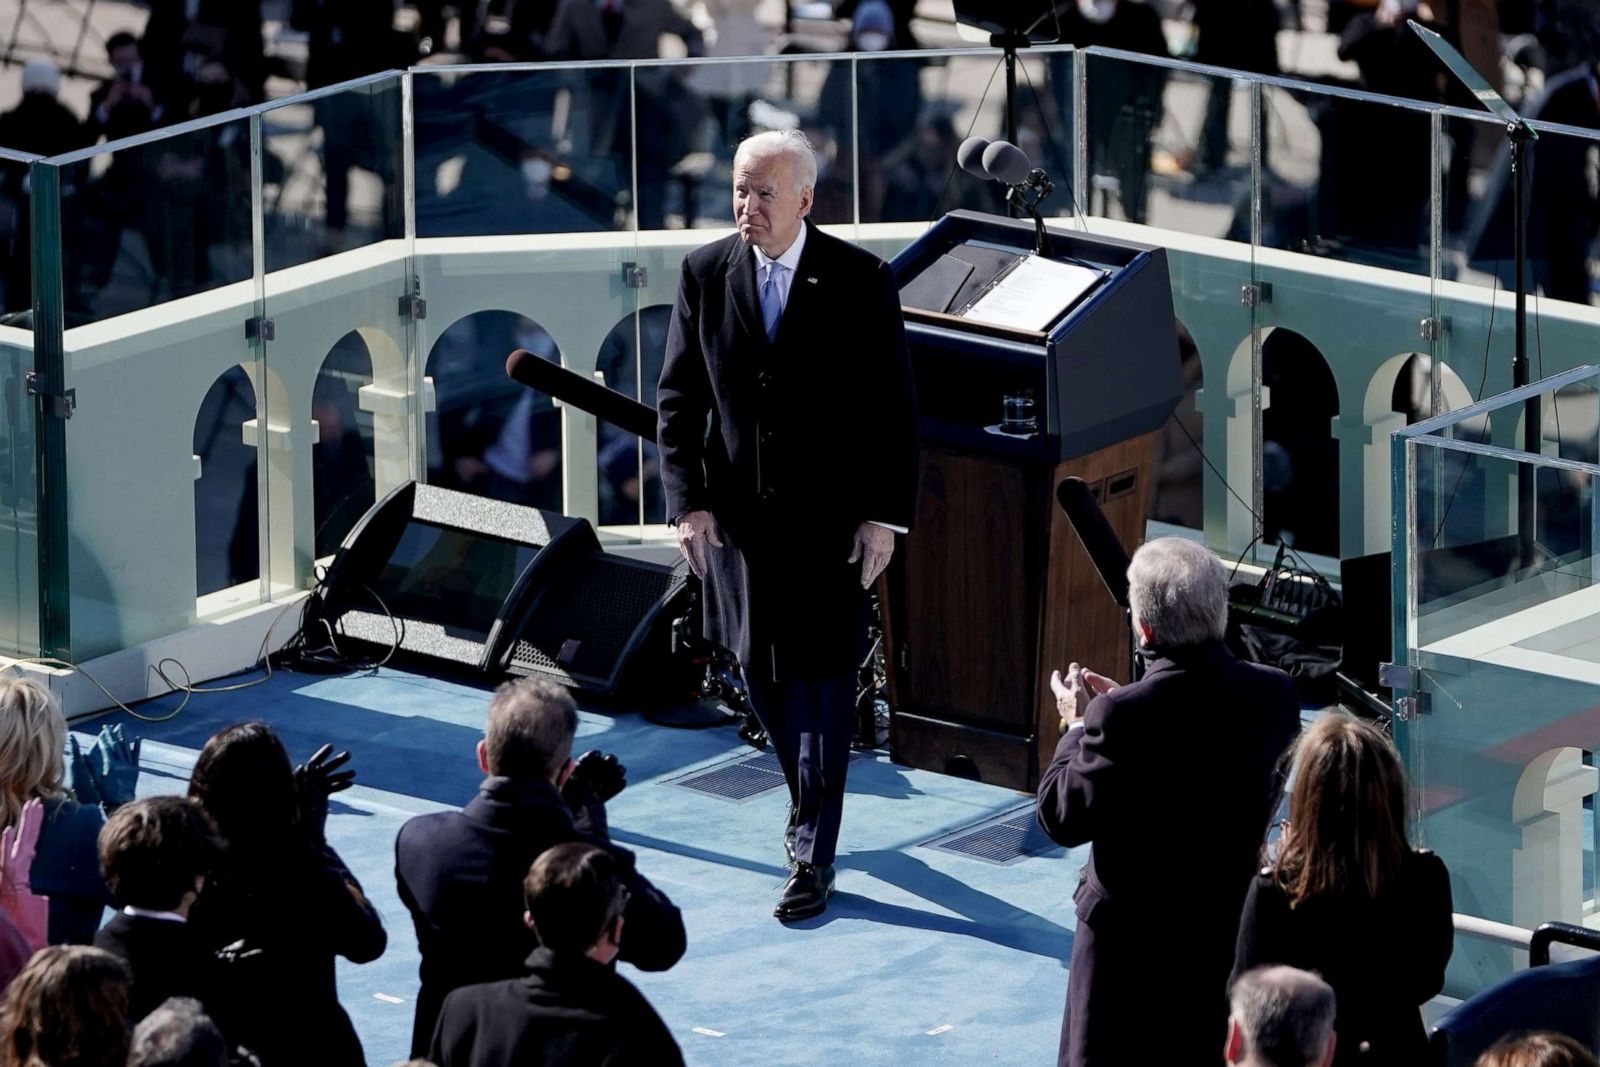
<point x="874" y="546"/>
<point x="1075" y="691"/>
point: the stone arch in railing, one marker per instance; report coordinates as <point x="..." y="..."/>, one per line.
<point x="226" y="507"/>
<point x="1547" y="851"/>
<point x="629" y="361"/>
<point x="1300" y="443"/>
<point x="486" y="433"/>
<point x="343" y="452"/>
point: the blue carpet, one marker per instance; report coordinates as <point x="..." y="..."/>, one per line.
<point x="922" y="957"/>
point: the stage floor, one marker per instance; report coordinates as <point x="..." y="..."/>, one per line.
<point x="924" y="956"/>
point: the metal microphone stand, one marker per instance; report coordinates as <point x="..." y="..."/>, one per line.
<point x="1027" y="197"/>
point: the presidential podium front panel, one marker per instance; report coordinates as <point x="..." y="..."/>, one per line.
<point x="1029" y="369"/>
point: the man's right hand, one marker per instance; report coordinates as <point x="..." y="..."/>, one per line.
<point x="697" y="529"/>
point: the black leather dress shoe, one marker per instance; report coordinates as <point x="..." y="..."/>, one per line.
<point x="806" y="893"/>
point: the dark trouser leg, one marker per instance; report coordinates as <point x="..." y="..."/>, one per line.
<point x="824" y="714"/>
<point x="769" y="700"/>
<point x="816" y="722"/>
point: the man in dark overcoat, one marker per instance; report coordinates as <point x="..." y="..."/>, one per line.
<point x="789" y="459"/>
<point x="1201" y="726"/>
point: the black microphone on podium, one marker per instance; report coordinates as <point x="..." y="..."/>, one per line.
<point x="969" y="157"/>
<point x="1004" y="162"/>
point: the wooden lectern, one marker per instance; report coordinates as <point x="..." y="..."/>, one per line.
<point x="1026" y="373"/>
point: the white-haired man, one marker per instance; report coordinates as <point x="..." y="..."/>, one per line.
<point x="789" y="458"/>
<point x="1280" y="1017"/>
<point x="1172" y="781"/>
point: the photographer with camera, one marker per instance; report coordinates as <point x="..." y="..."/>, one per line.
<point x="461" y="872"/>
<point x="127" y="103"/>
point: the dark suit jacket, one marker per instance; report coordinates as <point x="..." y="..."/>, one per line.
<point x="295" y="909"/>
<point x="165" y="959"/>
<point x="809" y="436"/>
<point x="460" y="875"/>
<point x="1384" y="958"/>
<point x="1200" y="735"/>
<point x="563" y="1010"/>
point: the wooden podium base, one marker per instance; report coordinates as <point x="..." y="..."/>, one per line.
<point x="991" y="592"/>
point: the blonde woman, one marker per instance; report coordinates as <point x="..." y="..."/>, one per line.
<point x="35" y="757"/>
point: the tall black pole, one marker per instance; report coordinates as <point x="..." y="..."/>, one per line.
<point x="1010" y="43"/>
<point x="1532" y="429"/>
<point x="1011" y="93"/>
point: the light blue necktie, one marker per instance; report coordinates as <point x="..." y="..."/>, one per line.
<point x="771" y="301"/>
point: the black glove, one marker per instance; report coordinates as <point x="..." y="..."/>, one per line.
<point x="596" y="774"/>
<point x="317" y="779"/>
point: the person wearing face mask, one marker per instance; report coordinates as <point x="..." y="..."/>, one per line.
<point x="215" y="89"/>
<point x="902" y="11"/>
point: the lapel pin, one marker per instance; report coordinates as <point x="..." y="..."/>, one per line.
<point x="812" y="281"/>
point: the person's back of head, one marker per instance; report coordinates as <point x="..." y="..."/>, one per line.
<point x="1347" y="812"/>
<point x="156" y="851"/>
<point x="1540" y="1049"/>
<point x="1280" y="1017"/>
<point x="67" y="1008"/>
<point x="1177" y="594"/>
<point x="529" y="730"/>
<point x="41" y="76"/>
<point x="244" y="781"/>
<point x="33" y="735"/>
<point x="575" y="900"/>
<point x="178" y="1034"/>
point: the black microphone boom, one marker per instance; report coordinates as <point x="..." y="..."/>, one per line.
<point x="570" y="387"/>
<point x="1110" y="559"/>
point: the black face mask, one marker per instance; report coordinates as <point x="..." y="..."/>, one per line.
<point x="210" y="99"/>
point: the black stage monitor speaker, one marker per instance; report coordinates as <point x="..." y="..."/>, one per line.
<point x="597" y="621"/>
<point x="496" y="587"/>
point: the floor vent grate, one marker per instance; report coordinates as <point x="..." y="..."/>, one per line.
<point x="1002" y="840"/>
<point x="737" y="780"/>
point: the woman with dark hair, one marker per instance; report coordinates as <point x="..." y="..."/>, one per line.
<point x="1349" y="898"/>
<point x="280" y="904"/>
<point x="67" y="1008"/>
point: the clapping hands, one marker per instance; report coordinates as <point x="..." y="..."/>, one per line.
<point x="30" y="912"/>
<point x="1075" y="691"/>
<point x="315" y="781"/>
<point x="109" y="773"/>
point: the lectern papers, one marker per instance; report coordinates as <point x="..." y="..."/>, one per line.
<point x="1037" y="292"/>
